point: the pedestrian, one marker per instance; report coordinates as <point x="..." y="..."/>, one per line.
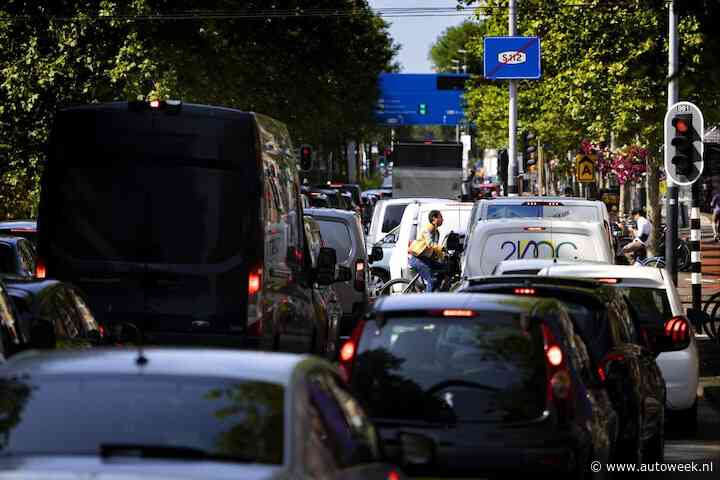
<point x="637" y="247"/>
<point x="425" y="253"/>
<point x="715" y="205"/>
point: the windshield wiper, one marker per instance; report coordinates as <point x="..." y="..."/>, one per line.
<point x="164" y="451"/>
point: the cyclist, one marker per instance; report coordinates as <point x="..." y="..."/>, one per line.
<point x="637" y="247"/>
<point x="426" y="255"/>
<point x="715" y="205"/>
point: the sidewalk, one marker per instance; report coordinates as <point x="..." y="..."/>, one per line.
<point x="710" y="259"/>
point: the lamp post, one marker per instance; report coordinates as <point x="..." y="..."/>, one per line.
<point x="464" y="54"/>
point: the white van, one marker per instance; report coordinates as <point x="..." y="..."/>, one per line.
<point x="387" y="215"/>
<point x="494" y="241"/>
<point x="455" y="219"/>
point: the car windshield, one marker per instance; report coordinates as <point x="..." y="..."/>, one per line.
<point x="584" y="213"/>
<point x="483" y="369"/>
<point x="240" y="420"/>
<point x="651" y="304"/>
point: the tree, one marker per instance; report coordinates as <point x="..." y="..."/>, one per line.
<point x="447" y="46"/>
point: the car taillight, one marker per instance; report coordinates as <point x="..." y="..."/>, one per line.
<point x="559" y="382"/>
<point x="40" y="271"/>
<point x="677" y="329"/>
<point x="254" y="281"/>
<point x="254" y="303"/>
<point x="360" y="275"/>
<point x="524" y="291"/>
<point x="348" y="352"/>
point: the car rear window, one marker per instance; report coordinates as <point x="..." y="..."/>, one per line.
<point x="650" y="304"/>
<point x="585" y="213"/>
<point x="486" y="368"/>
<point x="393" y="216"/>
<point x="336" y="234"/>
<point x="70" y="415"/>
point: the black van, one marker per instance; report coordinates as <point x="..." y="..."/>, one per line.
<point x="183" y="219"/>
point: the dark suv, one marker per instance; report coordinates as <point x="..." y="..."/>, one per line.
<point x="623" y="352"/>
<point x="462" y="384"/>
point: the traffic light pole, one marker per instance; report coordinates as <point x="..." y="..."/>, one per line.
<point x="695" y="237"/>
<point x="512" y="133"/>
<point x="671" y="201"/>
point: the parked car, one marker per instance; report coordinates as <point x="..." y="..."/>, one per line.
<point x="342" y="231"/>
<point x="20" y="228"/>
<point x="494" y="241"/>
<point x="327" y="302"/>
<point x="619" y="346"/>
<point x="194" y="248"/>
<point x="388" y="213"/>
<point x="17" y="256"/>
<point x="54" y="314"/>
<point x="476" y="384"/>
<point x="416" y="216"/>
<point x="553" y="208"/>
<point x="655" y="298"/>
<point x="117" y="413"/>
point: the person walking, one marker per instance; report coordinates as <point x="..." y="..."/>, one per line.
<point x="425" y="254"/>
<point x="715" y="206"/>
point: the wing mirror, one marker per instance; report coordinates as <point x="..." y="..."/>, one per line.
<point x="453" y="242"/>
<point x="326" y="262"/>
<point x="376" y="254"/>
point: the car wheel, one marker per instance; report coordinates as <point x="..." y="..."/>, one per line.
<point x="378" y="278"/>
<point x="685" y="420"/>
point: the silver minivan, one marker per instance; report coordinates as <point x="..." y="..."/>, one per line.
<point x="342" y="230"/>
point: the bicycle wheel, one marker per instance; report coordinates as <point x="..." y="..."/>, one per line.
<point x="657" y="262"/>
<point x="683" y="256"/>
<point x="399" y="286"/>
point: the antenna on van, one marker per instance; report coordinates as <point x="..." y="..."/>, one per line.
<point x="141" y="359"/>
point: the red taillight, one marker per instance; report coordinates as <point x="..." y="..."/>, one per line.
<point x="524" y="291"/>
<point x="393" y="475"/>
<point x="23" y="230"/>
<point x="254" y="281"/>
<point x="610" y="281"/>
<point x="101" y="330"/>
<point x="458" y="313"/>
<point x="155" y="104"/>
<point x="40" y="271"/>
<point x="677" y="329"/>
<point x="534" y="229"/>
<point x="348" y="352"/>
<point x="360" y="275"/>
<point x="559" y="382"/>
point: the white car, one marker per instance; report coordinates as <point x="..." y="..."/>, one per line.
<point x="455" y="219"/>
<point x="655" y="298"/>
<point x="495" y="241"/>
<point x="387" y="215"/>
<point x="531" y="266"/>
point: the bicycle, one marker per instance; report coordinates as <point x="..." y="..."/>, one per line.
<point x="445" y="278"/>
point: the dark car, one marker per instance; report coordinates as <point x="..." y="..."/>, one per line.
<point x="622" y="349"/>
<point x="20" y="228"/>
<point x="17" y="256"/>
<point x="172" y="413"/>
<point x="53" y="314"/>
<point x="465" y="384"/>
<point x="183" y="219"/>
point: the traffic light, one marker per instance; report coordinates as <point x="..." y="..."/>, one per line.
<point x="306" y="157"/>
<point x="684" y="158"/>
<point x="529" y="150"/>
<point x="422" y="109"/>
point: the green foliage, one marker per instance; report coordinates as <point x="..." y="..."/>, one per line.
<point x="318" y="74"/>
<point x="455" y="38"/>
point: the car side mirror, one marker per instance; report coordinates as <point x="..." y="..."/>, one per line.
<point x="344" y="274"/>
<point x="453" y="242"/>
<point x="326" y="262"/>
<point x="376" y="254"/>
<point x="390" y="238"/>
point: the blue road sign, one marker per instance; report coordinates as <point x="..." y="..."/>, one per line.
<point x="512" y="58"/>
<point x="420" y="99"/>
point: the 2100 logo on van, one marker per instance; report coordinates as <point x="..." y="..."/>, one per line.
<point x="512" y="57"/>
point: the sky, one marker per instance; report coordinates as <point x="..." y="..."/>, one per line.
<point x="416" y="35"/>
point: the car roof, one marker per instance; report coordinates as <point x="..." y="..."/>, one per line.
<point x="500" y="223"/>
<point x="584" y="286"/>
<point x="408" y="200"/>
<point x="11" y="239"/>
<point x="631" y="275"/>
<point x="542" y="263"/>
<point x="564" y="200"/>
<point x="331" y="213"/>
<point x="192" y="362"/>
<point x="440" y="301"/>
<point x="18" y="224"/>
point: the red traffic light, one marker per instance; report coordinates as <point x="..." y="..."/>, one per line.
<point x="680" y="125"/>
<point x="306" y="151"/>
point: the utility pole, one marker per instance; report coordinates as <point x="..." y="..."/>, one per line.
<point x="540" y="169"/>
<point x="671" y="200"/>
<point x="512" y="147"/>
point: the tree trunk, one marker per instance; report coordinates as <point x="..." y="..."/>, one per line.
<point x="625" y="198"/>
<point x="653" y="202"/>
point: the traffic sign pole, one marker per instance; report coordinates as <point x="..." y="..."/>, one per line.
<point x="671" y="200"/>
<point x="512" y="134"/>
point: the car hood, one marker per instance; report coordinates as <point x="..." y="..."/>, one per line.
<point x="72" y="467"/>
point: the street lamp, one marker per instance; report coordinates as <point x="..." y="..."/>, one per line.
<point x="457" y="64"/>
<point x="464" y="54"/>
